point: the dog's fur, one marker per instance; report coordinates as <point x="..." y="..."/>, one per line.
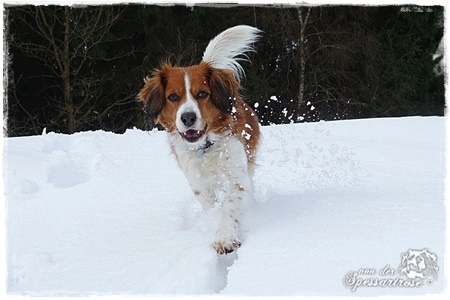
<point x="213" y="133"/>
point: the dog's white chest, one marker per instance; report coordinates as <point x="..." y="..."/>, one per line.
<point x="223" y="161"/>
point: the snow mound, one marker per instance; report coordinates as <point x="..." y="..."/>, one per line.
<point x="101" y="213"/>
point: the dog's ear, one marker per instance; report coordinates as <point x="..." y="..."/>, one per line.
<point x="152" y="96"/>
<point x="224" y="89"/>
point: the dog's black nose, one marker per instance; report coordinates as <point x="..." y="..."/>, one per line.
<point x="188" y="118"/>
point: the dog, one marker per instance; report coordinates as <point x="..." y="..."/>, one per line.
<point x="212" y="132"/>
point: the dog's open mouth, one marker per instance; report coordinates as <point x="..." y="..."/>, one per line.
<point x="192" y="135"/>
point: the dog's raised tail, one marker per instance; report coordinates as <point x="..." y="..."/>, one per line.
<point x="229" y="47"/>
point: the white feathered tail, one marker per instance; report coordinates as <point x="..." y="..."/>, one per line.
<point x="222" y="51"/>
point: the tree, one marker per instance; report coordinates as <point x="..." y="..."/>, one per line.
<point x="70" y="42"/>
<point x="409" y="37"/>
<point x="312" y="63"/>
<point x="303" y="19"/>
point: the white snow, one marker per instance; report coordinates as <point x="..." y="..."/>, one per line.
<point x="246" y="135"/>
<point x="440" y="67"/>
<point x="101" y="213"/>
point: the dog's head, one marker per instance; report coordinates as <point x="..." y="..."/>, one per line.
<point x="200" y="99"/>
<point x="194" y="100"/>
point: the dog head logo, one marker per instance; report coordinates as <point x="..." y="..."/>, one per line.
<point x="418" y="264"/>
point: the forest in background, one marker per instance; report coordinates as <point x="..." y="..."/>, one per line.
<point x="77" y="68"/>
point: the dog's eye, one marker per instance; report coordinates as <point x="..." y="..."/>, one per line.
<point x="202" y="95"/>
<point x="173" y="97"/>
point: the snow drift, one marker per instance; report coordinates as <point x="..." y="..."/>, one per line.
<point x="101" y="213"/>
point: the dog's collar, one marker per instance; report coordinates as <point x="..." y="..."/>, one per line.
<point x="201" y="151"/>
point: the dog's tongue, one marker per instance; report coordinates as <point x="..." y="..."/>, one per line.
<point x="191" y="133"/>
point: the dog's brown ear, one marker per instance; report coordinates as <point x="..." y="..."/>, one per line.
<point x="224" y="89"/>
<point x="152" y="96"/>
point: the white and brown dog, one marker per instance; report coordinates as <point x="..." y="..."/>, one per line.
<point x="212" y="132"/>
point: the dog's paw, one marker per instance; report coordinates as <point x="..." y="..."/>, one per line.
<point x="226" y="246"/>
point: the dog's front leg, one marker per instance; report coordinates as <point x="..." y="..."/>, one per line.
<point x="228" y="236"/>
<point x="205" y="195"/>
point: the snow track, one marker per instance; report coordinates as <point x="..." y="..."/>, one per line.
<point x="100" y="213"/>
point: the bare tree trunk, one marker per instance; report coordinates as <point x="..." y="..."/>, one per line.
<point x="66" y="75"/>
<point x="302" y="53"/>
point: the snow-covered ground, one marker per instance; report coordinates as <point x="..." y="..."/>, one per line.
<point x="100" y="213"/>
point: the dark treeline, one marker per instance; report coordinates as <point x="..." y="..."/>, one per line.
<point x="80" y="68"/>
